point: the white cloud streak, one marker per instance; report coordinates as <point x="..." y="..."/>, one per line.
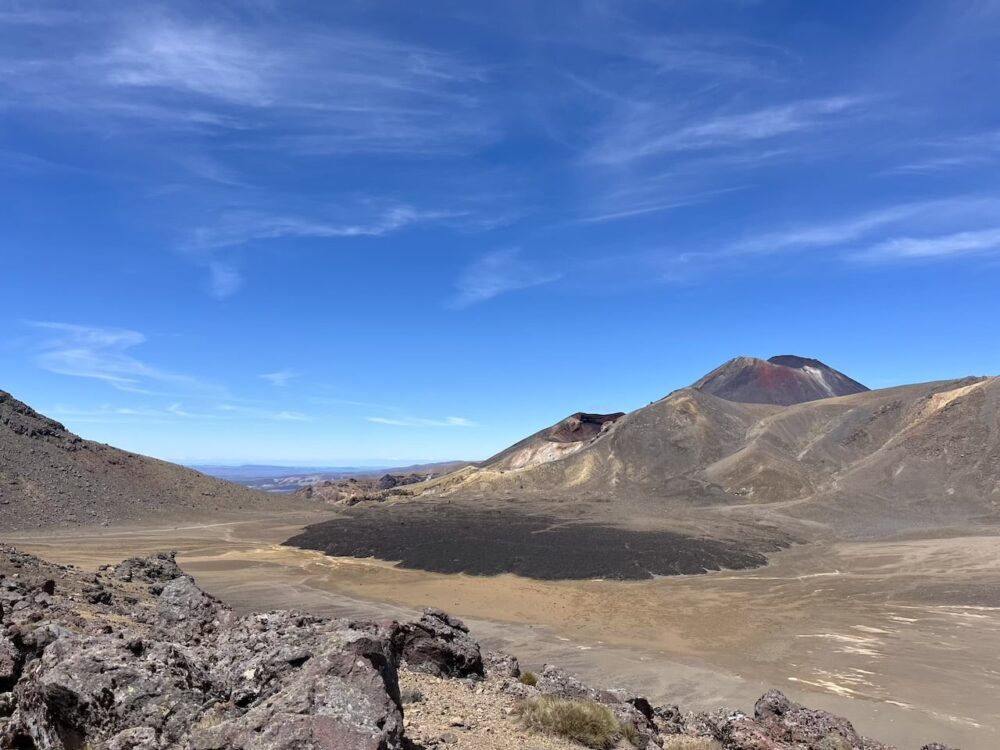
<point x="103" y="354"/>
<point x="641" y="131"/>
<point x="282" y="415"/>
<point x="311" y="90"/>
<point x="927" y="216"/>
<point x="280" y="378"/>
<point x="498" y="273"/>
<point x="223" y="280"/>
<point x="933" y="248"/>
<point x="175" y="412"/>
<point x="242" y="227"/>
<point x="945" y="154"/>
<point x="419" y="422"/>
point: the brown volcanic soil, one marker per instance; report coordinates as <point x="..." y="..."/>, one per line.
<point x="50" y="477"/>
<point x="857" y="628"/>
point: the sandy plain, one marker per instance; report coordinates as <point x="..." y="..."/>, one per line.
<point x="902" y="637"/>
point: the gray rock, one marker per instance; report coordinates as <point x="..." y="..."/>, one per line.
<point x="789" y="722"/>
<point x="11" y="659"/>
<point x="158" y="568"/>
<point x="136" y="738"/>
<point x="90" y="689"/>
<point x="185" y="610"/>
<point x="500" y="664"/>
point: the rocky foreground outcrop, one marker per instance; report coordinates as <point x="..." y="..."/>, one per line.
<point x="137" y="657"/>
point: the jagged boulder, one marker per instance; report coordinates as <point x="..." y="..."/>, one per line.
<point x="181" y="671"/>
<point x="185" y="611"/>
<point x="89" y="689"/>
<point x="500" y="664"/>
<point x="439" y="644"/>
<point x="158" y="568"/>
<point x="555" y="681"/>
<point x="337" y="700"/>
<point x="794" y="724"/>
<point x="10" y="663"/>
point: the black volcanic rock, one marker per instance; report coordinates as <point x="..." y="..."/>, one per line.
<point x="454" y="540"/>
<point x="439" y="644"/>
<point x="782" y="380"/>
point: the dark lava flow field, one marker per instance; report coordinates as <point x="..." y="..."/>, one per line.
<point x="541" y="547"/>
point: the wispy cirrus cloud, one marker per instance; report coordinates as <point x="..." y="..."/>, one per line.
<point x="313" y="89"/>
<point x="279" y="378"/>
<point x="102" y="353"/>
<point x="928" y="216"/>
<point x="937" y="247"/>
<point x="280" y="415"/>
<point x="420" y="422"/>
<point x="643" y="129"/>
<point x="719" y="56"/>
<point x="175" y="412"/>
<point x="203" y="60"/>
<point x="939" y="155"/>
<point x="498" y="273"/>
<point x="241" y="227"/>
<point x="825" y="234"/>
<point x="946" y="229"/>
<point x="641" y="198"/>
<point x="224" y="280"/>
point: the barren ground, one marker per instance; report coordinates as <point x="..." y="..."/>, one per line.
<point x="902" y="636"/>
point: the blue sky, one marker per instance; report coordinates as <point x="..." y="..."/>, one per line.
<point x="319" y="232"/>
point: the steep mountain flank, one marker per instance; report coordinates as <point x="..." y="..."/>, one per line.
<point x="782" y="380"/>
<point x="871" y="463"/>
<point x="558" y="441"/>
<point x="51" y="477"/>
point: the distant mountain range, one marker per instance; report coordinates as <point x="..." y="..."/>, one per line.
<point x="294" y="478"/>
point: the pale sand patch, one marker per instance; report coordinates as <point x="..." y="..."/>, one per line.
<point x="699" y="641"/>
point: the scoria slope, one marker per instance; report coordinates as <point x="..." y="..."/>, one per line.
<point x="783" y="380"/>
<point x="51" y="477"/>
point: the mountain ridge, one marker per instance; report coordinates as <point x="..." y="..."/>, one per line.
<point x="52" y="477"/>
<point x="861" y="464"/>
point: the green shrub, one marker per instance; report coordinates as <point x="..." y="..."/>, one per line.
<point x="586" y="722"/>
<point x="528" y="678"/>
<point x="682" y="742"/>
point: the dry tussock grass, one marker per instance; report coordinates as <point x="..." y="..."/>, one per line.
<point x="586" y="722"/>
